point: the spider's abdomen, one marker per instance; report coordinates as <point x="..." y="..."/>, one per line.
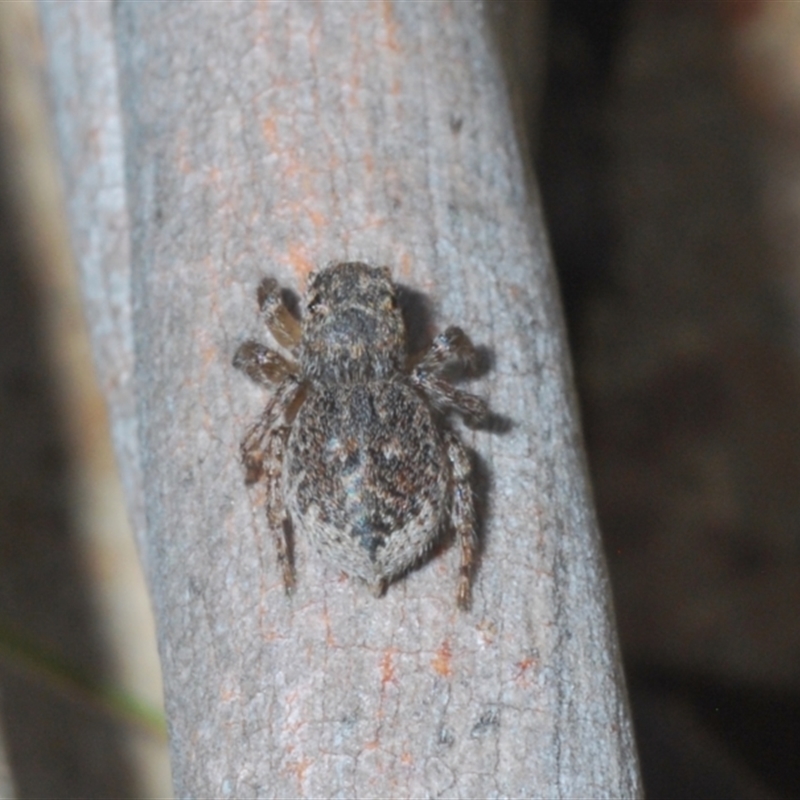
<point x="365" y="476"/>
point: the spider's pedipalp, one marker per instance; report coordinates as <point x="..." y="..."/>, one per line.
<point x="282" y="324"/>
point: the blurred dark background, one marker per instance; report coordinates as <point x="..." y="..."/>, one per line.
<point x="666" y="141"/>
<point x="666" y="138"/>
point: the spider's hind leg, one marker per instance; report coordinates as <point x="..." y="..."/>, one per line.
<point x="448" y="349"/>
<point x="263" y="451"/>
<point x="277" y="518"/>
<point x="462" y="514"/>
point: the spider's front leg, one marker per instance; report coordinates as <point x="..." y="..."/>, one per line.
<point x="449" y="349"/>
<point x="258" y="362"/>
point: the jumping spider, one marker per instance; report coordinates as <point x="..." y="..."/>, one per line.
<point x="352" y="446"/>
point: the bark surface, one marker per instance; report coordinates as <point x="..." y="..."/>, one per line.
<point x="272" y="139"/>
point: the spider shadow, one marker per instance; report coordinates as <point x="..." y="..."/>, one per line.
<point x="481" y="480"/>
<point x="291" y="300"/>
<point x="418" y="318"/>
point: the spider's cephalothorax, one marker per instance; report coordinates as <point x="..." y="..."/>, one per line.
<point x="352" y="446"/>
<point x="352" y="330"/>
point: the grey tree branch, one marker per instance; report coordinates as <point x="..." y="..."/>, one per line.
<point x="271" y="139"/>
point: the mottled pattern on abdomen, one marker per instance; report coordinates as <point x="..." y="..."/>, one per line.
<point x="365" y="477"/>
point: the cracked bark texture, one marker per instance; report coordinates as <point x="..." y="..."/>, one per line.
<point x="272" y="138"/>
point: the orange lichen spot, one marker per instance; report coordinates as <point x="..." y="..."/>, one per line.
<point x="406" y="759"/>
<point x="329" y="639"/>
<point x="391" y="27"/>
<point x="318" y="219"/>
<point x="373" y="745"/>
<point x="315" y="35"/>
<point x="298" y="258"/>
<point x="270" y="132"/>
<point x="353" y="96"/>
<point x="299" y="768"/>
<point x="270" y="635"/>
<point x="441" y="661"/>
<point x="209" y="354"/>
<point x="405" y="265"/>
<point x="523" y="666"/>
<point x="387" y="666"/>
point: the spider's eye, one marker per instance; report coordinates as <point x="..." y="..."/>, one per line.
<point x="313" y="303"/>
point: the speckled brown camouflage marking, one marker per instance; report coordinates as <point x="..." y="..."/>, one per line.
<point x="352" y="446"/>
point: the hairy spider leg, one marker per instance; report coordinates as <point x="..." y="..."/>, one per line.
<point x="263" y="449"/>
<point x="462" y="514"/>
<point x="450" y="348"/>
